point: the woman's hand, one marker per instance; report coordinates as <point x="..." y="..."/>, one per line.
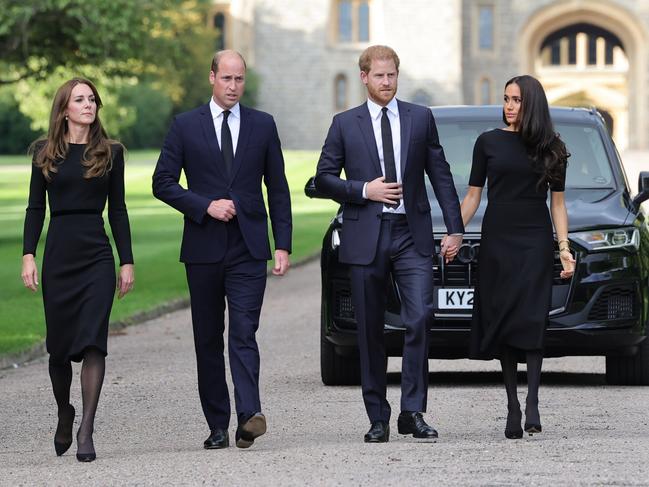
<point x="125" y="280"/>
<point x="568" y="263"/>
<point x="30" y="272"/>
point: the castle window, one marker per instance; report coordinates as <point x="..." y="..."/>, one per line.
<point x="219" y="24"/>
<point x="340" y="92"/>
<point x="353" y="21"/>
<point x="486" y="27"/>
<point x="485" y="91"/>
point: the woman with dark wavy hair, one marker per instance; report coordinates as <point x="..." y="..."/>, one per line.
<point x="79" y="168"/>
<point x="512" y="297"/>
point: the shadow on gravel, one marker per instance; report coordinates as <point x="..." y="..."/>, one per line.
<point x="495" y="378"/>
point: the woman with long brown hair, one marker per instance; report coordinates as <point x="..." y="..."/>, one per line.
<point x="79" y="168"/>
<point x="521" y="163"/>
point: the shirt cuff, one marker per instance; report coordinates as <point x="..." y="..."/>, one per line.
<point x="365" y="191"/>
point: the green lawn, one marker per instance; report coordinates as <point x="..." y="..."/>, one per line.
<point x="156" y="232"/>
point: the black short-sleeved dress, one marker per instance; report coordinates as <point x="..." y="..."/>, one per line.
<point x="514" y="289"/>
<point x="78" y="273"/>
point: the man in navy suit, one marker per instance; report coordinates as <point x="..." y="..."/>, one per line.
<point x="386" y="146"/>
<point x="226" y="150"/>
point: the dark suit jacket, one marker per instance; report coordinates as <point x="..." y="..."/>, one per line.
<point x="350" y="145"/>
<point x="191" y="145"/>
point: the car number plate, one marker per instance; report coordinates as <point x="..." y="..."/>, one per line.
<point x="455" y="298"/>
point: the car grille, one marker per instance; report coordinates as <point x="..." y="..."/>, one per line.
<point x="343" y="304"/>
<point x="464" y="274"/>
<point x="453" y="274"/>
<point x="613" y="304"/>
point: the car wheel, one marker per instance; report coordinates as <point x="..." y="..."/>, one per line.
<point x="629" y="371"/>
<point x="336" y="369"/>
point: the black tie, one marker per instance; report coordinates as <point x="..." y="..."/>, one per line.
<point x="226" y="143"/>
<point x="388" y="151"/>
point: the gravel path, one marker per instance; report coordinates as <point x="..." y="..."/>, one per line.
<point x="150" y="428"/>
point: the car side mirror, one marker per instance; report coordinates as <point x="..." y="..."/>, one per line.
<point x="643" y="189"/>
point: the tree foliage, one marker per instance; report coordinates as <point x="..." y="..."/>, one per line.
<point x="148" y="58"/>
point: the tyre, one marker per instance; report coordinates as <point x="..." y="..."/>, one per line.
<point x="338" y="370"/>
<point x="629" y="371"/>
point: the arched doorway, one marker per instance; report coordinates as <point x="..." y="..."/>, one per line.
<point x="591" y="53"/>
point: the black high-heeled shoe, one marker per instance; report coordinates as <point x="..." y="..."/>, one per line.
<point x="532" y="419"/>
<point x="531" y="428"/>
<point x="513" y="430"/>
<point x="64" y="429"/>
<point x="89" y="456"/>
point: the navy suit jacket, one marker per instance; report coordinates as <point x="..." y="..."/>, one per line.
<point x="350" y="145"/>
<point x="191" y="145"/>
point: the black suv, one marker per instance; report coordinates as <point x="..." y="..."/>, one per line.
<point x="602" y="310"/>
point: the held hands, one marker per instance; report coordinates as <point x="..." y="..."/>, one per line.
<point x="222" y="210"/>
<point x="379" y="190"/>
<point x="281" y="262"/>
<point x="125" y="280"/>
<point x="450" y="247"/>
<point x="29" y="273"/>
<point x="568" y="263"/>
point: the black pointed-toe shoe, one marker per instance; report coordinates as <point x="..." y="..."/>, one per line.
<point x="251" y="428"/>
<point x="63" y="435"/>
<point x="218" y="439"/>
<point x="378" y="433"/>
<point x="86" y="452"/>
<point x="513" y="430"/>
<point x="532" y="419"/>
<point x="531" y="428"/>
<point x="412" y="423"/>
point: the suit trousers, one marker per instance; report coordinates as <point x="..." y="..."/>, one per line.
<point x="413" y="273"/>
<point x="241" y="280"/>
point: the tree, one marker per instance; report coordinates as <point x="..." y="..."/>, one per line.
<point x="123" y="36"/>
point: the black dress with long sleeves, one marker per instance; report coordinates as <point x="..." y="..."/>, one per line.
<point x="78" y="273"/>
<point x="514" y="288"/>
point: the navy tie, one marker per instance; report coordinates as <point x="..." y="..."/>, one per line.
<point x="226" y="144"/>
<point x="388" y="151"/>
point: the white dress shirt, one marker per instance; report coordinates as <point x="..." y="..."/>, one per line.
<point x="395" y="126"/>
<point x="234" y="122"/>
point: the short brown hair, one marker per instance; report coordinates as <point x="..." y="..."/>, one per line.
<point x="377" y="52"/>
<point x="219" y="54"/>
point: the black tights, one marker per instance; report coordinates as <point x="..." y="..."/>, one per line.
<point x="509" y="363"/>
<point x="92" y="378"/>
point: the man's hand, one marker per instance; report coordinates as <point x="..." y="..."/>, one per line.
<point x="388" y="193"/>
<point x="281" y="262"/>
<point x="222" y="210"/>
<point x="450" y="247"/>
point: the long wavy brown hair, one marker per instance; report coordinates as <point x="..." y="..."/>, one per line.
<point x="544" y="146"/>
<point x="50" y="150"/>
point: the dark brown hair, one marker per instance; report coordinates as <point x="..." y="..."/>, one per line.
<point x="544" y="146"/>
<point x="97" y="156"/>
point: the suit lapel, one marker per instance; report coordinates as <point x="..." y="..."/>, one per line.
<point x="365" y="123"/>
<point x="405" y="121"/>
<point x="210" y="137"/>
<point x="245" y="129"/>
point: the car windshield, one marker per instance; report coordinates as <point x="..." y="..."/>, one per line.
<point x="588" y="165"/>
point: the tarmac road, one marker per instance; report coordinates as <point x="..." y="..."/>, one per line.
<point x="150" y="428"/>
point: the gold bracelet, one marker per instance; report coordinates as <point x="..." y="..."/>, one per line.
<point x="565" y="248"/>
<point x="559" y="242"/>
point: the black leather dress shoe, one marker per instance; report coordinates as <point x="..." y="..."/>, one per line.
<point x="378" y="433"/>
<point x="251" y="428"/>
<point x="218" y="439"/>
<point x="412" y="423"/>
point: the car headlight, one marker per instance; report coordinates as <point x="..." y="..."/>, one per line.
<point x="614" y="238"/>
